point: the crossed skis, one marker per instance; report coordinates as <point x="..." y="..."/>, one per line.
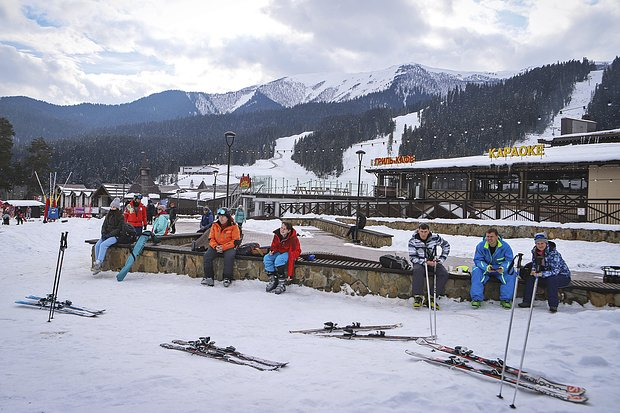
<point x="206" y="348"/>
<point x="460" y="357"/>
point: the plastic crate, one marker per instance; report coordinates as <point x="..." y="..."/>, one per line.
<point x="611" y="274"/>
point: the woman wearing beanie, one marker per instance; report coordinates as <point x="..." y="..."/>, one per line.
<point x="224" y="237"/>
<point x="111" y="228"/>
<point x="550" y="267"/>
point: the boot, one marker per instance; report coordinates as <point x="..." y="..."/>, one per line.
<point x="227" y="282"/>
<point x="208" y="282"/>
<point x="281" y="287"/>
<point x="524" y="305"/>
<point x="476" y="304"/>
<point x="272" y="283"/>
<point x="97" y="267"/>
<point x="434" y="305"/>
<point x="417" y="301"/>
<point x="506" y="304"/>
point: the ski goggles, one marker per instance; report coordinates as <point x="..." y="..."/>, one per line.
<point x="222" y="211"/>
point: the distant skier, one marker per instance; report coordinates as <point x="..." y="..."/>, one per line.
<point x="280" y="262"/>
<point x="110" y="230"/>
<point x="172" y="212"/>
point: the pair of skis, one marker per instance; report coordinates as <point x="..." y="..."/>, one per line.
<point x="206" y="348"/>
<point x="352" y="332"/>
<point x="460" y="357"/>
<point x="65" y="307"/>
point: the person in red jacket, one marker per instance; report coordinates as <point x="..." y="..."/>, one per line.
<point x="135" y="214"/>
<point x="280" y="261"/>
<point x="224" y="237"/>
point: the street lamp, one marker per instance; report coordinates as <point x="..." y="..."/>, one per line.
<point x="124" y="178"/>
<point x="230" y="139"/>
<point x="214" y="186"/>
<point x="360" y="155"/>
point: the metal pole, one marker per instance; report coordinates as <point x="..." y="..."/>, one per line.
<point x="230" y="139"/>
<point x="360" y="155"/>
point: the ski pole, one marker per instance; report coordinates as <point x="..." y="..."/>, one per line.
<point x="512" y="312"/>
<point x="527" y="333"/>
<point x="428" y="293"/>
<point x="61" y="256"/>
<point x="435" y="301"/>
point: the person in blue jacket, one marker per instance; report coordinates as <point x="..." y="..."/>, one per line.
<point x="206" y="220"/>
<point x="493" y="258"/>
<point x="548" y="264"/>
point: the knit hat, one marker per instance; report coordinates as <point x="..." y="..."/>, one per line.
<point x="161" y="206"/>
<point x="541" y="236"/>
<point x="116" y="203"/>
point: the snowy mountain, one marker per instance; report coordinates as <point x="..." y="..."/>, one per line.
<point x="403" y="80"/>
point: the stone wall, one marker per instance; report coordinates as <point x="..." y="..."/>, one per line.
<point x="329" y="278"/>
<point x="508" y="231"/>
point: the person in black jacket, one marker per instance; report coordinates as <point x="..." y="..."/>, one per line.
<point x="111" y="228"/>
<point x="150" y="212"/>
<point x="360" y="223"/>
<point x="172" y="214"/>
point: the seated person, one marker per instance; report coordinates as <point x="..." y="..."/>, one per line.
<point x="206" y="220"/>
<point x="280" y="261"/>
<point x="224" y="237"/>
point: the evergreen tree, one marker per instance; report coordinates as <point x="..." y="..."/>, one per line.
<point x="6" y="146"/>
<point x="604" y="108"/>
<point x="38" y="158"/>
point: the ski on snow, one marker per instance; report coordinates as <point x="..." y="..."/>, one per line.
<point x="456" y="362"/>
<point x="66" y="303"/>
<point x="59" y="308"/>
<point x="206" y="342"/>
<point x="330" y="327"/>
<point x="378" y="335"/>
<point x="498" y="363"/>
<point x="206" y="348"/>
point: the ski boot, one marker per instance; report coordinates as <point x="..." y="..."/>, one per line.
<point x="97" y="267"/>
<point x="476" y="304"/>
<point x="506" y="304"/>
<point x="208" y="282"/>
<point x="433" y="305"/>
<point x="227" y="282"/>
<point x="418" y="300"/>
<point x="272" y="283"/>
<point x="524" y="305"/>
<point x="281" y="287"/>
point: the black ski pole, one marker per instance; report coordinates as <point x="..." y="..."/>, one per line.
<point x="512" y="312"/>
<point x="61" y="256"/>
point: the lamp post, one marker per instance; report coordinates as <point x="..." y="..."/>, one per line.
<point x="230" y="139"/>
<point x="124" y="178"/>
<point x="360" y="155"/>
<point x="214" y="186"/>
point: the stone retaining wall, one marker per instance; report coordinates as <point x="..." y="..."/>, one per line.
<point x="387" y="283"/>
<point x="508" y="231"/>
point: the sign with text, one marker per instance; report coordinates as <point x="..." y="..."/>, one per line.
<point x="393" y="160"/>
<point x="245" y="182"/>
<point x="524" y="150"/>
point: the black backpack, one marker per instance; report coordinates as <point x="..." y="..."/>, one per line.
<point x="394" y="262"/>
<point x="127" y="234"/>
<point x="246" y="249"/>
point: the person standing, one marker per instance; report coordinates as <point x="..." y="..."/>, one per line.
<point x="240" y="217"/>
<point x="110" y="230"/>
<point x="172" y="212"/>
<point x="280" y="261"/>
<point x="150" y="212"/>
<point x="493" y="258"/>
<point x="550" y="268"/>
<point x="423" y="255"/>
<point x="224" y="237"/>
<point x="135" y="214"/>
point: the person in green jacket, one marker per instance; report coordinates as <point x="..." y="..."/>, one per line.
<point x="239" y="217"/>
<point x="161" y="222"/>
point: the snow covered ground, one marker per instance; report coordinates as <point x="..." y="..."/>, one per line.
<point x="113" y="363"/>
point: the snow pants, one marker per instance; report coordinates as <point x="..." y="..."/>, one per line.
<point x="229" y="260"/>
<point x="418" y="284"/>
<point x="553" y="284"/>
<point x="275" y="260"/>
<point x="479" y="279"/>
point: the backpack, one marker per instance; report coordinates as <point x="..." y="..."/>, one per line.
<point x="394" y="262"/>
<point x="127" y="234"/>
<point x="246" y="249"/>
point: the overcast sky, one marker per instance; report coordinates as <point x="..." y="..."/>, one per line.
<point x="116" y="51"/>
